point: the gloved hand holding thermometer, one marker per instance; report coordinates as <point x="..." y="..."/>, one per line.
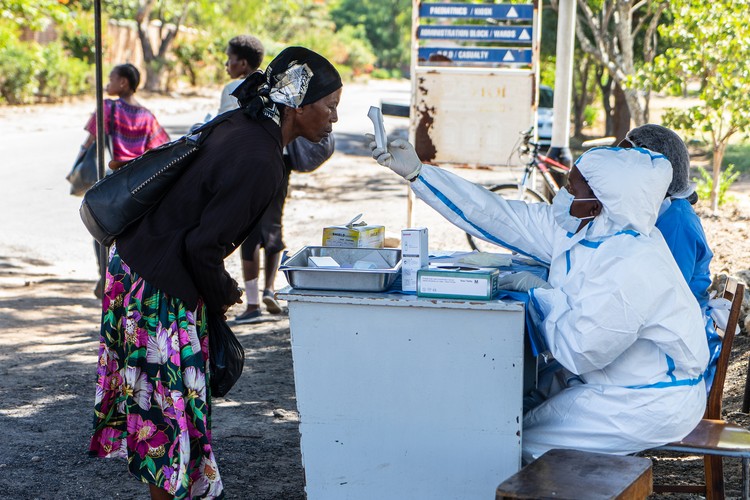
<point x="398" y="155"/>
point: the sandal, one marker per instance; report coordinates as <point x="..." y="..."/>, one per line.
<point x="272" y="305"/>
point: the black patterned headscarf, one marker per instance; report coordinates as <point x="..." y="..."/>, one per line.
<point x="297" y="76"/>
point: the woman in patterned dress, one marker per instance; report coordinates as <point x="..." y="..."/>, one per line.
<point x="166" y="275"/>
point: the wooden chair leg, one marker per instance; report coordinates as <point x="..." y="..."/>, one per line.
<point x="746" y="397"/>
<point x="714" y="470"/>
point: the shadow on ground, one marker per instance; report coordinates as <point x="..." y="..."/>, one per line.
<point x="48" y="354"/>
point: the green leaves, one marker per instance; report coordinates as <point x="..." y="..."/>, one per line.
<point x="705" y="184"/>
<point x="34" y="14"/>
<point x="708" y="54"/>
<point x="386" y="23"/>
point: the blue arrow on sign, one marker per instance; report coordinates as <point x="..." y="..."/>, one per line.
<point x="475" y="54"/>
<point x="511" y="12"/>
<point x="515" y="34"/>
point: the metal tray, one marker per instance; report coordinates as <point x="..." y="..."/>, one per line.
<point x="299" y="275"/>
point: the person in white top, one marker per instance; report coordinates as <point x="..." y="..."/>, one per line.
<point x="616" y="312"/>
<point x="244" y="56"/>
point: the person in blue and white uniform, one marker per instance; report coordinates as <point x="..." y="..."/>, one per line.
<point x="616" y="311"/>
<point x="681" y="226"/>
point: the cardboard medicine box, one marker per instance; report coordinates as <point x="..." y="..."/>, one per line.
<point x="414" y="256"/>
<point x="454" y="282"/>
<point x="369" y="236"/>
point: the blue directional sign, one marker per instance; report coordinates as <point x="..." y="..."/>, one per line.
<point x="475" y="54"/>
<point x="511" y="12"/>
<point x="515" y="34"/>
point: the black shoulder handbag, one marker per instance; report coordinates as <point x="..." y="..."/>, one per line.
<point x="122" y="198"/>
<point x="85" y="172"/>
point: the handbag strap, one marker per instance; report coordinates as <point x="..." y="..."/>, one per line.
<point x="209" y="125"/>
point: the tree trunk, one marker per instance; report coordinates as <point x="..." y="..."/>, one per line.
<point x="581" y="97"/>
<point x="621" y="116"/>
<point x="635" y="106"/>
<point x="154" y="73"/>
<point x="718" y="157"/>
<point x="156" y="63"/>
<point x="606" y="89"/>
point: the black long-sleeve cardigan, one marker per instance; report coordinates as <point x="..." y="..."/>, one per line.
<point x="180" y="245"/>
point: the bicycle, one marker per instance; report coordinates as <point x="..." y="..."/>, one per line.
<point x="535" y="163"/>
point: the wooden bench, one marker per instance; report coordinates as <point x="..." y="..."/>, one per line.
<point x="580" y="475"/>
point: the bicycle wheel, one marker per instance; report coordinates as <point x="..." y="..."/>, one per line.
<point x="509" y="192"/>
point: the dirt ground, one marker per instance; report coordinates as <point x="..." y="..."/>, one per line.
<point x="49" y="339"/>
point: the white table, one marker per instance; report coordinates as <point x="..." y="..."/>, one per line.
<point x="406" y="398"/>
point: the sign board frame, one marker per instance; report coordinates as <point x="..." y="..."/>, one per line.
<point x="469" y="102"/>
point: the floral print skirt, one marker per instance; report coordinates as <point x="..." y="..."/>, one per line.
<point x="152" y="393"/>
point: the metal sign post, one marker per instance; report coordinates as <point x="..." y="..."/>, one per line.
<point x="99" y="124"/>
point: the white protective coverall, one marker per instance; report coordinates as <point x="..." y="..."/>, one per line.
<point x="619" y="314"/>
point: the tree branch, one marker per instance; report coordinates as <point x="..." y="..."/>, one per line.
<point x="649" y="42"/>
<point x="142" y="20"/>
<point x="171" y="34"/>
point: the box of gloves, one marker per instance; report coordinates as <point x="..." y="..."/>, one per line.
<point x="354" y="234"/>
<point x="458" y="282"/>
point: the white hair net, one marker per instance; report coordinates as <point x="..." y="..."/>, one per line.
<point x="667" y="142"/>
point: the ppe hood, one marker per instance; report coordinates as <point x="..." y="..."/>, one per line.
<point x="630" y="183"/>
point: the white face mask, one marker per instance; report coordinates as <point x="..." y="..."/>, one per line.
<point x="561" y="204"/>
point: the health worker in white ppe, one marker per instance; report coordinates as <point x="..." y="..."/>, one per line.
<point x="617" y="312"/>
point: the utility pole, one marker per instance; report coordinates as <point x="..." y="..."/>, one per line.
<point x="566" y="22"/>
<point x="99" y="124"/>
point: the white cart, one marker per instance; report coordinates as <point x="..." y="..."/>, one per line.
<point x="406" y="398"/>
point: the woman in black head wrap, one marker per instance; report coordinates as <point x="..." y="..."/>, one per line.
<point x="296" y="78"/>
<point x="166" y="276"/>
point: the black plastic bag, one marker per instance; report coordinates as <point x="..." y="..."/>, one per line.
<point x="227" y="357"/>
<point x="84" y="173"/>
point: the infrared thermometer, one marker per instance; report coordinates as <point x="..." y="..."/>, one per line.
<point x="381" y="140"/>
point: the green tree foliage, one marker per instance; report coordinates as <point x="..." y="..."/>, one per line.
<point x="705" y="184"/>
<point x="169" y="52"/>
<point x="78" y="35"/>
<point x="280" y="23"/>
<point x="386" y="23"/>
<point x="33" y="14"/>
<point x="710" y="47"/>
<point x="61" y="75"/>
<point x="201" y="59"/>
<point x="29" y="71"/>
<point x="18" y="65"/>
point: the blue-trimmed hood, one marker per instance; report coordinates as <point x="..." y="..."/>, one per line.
<point x="630" y="183"/>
